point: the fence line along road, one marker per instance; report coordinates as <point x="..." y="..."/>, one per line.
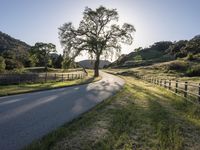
<point x="189" y="90"/>
<point x="6" y="79"/>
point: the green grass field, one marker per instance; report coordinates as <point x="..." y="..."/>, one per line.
<point x="30" y="87"/>
<point x="141" y="116"/>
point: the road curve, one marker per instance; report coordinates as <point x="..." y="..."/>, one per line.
<point x="26" y="117"/>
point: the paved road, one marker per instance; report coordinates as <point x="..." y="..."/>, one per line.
<point x="26" y="117"/>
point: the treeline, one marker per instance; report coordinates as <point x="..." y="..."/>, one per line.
<point x="184" y="48"/>
<point x="162" y="51"/>
<point x="15" y="54"/>
<point x="178" y="49"/>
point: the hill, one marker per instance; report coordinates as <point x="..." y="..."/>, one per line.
<point x="9" y="43"/>
<point x="147" y="56"/>
<point x="90" y="63"/>
<point x="13" y="53"/>
<point x="163" y="51"/>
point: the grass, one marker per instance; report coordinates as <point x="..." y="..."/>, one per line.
<point x="141" y="116"/>
<point x="158" y="71"/>
<point x="30" y="87"/>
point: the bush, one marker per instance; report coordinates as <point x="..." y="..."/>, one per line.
<point x="193" y="71"/>
<point x="178" y="66"/>
<point x="180" y="55"/>
<point x="13" y="64"/>
<point x="190" y="57"/>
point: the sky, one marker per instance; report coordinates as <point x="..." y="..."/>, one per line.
<point x="154" y="20"/>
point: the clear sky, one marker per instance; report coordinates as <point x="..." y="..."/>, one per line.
<point x="155" y="20"/>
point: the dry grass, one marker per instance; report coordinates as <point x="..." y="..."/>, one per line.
<point x="141" y="116"/>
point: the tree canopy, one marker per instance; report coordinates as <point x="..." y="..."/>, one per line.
<point x="98" y="34"/>
<point x="40" y="53"/>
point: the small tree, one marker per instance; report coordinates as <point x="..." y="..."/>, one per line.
<point x="97" y="34"/>
<point x="41" y="52"/>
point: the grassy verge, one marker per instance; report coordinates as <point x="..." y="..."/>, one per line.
<point x="24" y="88"/>
<point x="162" y="71"/>
<point x="140" y="116"/>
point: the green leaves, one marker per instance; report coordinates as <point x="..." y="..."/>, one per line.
<point x="40" y="53"/>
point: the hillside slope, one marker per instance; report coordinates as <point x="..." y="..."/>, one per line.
<point x="13" y="53"/>
<point x="9" y="43"/>
<point x="163" y="51"/>
<point x="146" y="56"/>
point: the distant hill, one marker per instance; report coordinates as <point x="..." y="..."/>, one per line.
<point x="146" y="56"/>
<point x="9" y="43"/>
<point x="90" y="63"/>
<point x="14" y="52"/>
<point x="163" y="51"/>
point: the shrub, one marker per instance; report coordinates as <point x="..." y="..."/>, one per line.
<point x="190" y="56"/>
<point x="177" y="65"/>
<point x="193" y="71"/>
<point x="13" y="64"/>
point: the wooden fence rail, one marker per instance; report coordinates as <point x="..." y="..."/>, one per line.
<point x="190" y="91"/>
<point x="6" y="79"/>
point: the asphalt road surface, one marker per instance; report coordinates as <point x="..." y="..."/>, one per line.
<point x="27" y="117"/>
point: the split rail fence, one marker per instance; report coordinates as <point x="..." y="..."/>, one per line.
<point x="189" y="90"/>
<point x="6" y="79"/>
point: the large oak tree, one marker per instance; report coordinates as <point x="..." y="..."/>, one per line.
<point x="98" y="34"/>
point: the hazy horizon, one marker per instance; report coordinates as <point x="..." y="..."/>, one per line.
<point x="155" y="20"/>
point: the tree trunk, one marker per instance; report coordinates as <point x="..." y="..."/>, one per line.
<point x="83" y="68"/>
<point x="96" y="67"/>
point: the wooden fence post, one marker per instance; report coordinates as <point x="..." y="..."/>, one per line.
<point x="199" y="92"/>
<point x="176" y="89"/>
<point x="62" y="77"/>
<point x="169" y="84"/>
<point x="19" y="79"/>
<point x="45" y="77"/>
<point x="186" y="88"/>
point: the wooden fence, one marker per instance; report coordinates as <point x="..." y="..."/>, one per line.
<point x="6" y="79"/>
<point x="189" y="90"/>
